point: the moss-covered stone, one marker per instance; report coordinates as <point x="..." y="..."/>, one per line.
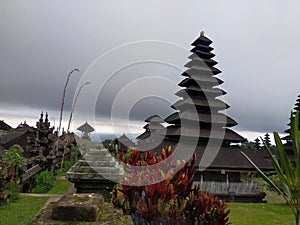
<point x="78" y="207"/>
<point x="107" y="215"/>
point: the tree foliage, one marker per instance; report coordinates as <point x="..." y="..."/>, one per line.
<point x="44" y="182"/>
<point x="13" y="158"/>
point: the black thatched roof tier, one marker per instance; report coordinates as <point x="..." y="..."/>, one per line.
<point x="143" y="136"/>
<point x="208" y="62"/>
<point x="202" y="95"/>
<point x="219" y="118"/>
<point x="4" y="126"/>
<point x="230" y="158"/>
<point x="153" y="126"/>
<point x="203" y="48"/>
<point x="204" y="55"/>
<point x="206" y="79"/>
<point x="214" y="104"/>
<point x="23" y="127"/>
<point x="205" y="82"/>
<point x="18" y="137"/>
<point x="196" y="67"/>
<point x="206" y="133"/>
<point x="11" y="136"/>
<point x="86" y="127"/>
<point x="203" y="91"/>
<point x="202" y="40"/>
<point x="154" y="119"/>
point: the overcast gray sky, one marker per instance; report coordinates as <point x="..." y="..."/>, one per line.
<point x="256" y="44"/>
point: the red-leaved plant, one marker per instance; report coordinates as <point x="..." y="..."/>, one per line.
<point x="174" y="200"/>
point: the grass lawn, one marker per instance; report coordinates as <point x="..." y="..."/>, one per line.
<point x="61" y="174"/>
<point x="21" y="212"/>
<point x="275" y="212"/>
<point x="60" y="187"/>
<point x="260" y="214"/>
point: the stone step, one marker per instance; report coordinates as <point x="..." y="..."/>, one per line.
<point x="96" y="163"/>
<point x="98" y="152"/>
<point x="95" y="158"/>
<point x="93" y="176"/>
<point x="84" y="176"/>
<point x="88" y="169"/>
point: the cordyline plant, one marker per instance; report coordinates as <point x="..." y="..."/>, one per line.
<point x="171" y="201"/>
<point x="288" y="170"/>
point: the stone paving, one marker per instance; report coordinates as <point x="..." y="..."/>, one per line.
<point x="110" y="216"/>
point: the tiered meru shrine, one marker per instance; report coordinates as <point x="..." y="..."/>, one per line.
<point x="199" y="117"/>
<point x="289" y="144"/>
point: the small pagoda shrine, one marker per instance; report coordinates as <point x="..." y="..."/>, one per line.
<point x="124" y="143"/>
<point x="267" y="139"/>
<point x="153" y="134"/>
<point x="257" y="143"/>
<point x="86" y="129"/>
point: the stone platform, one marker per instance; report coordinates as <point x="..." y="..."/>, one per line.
<point x="106" y="216"/>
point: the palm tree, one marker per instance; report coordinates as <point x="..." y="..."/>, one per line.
<point x="288" y="170"/>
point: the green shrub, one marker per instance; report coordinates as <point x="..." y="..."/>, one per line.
<point x="171" y="201"/>
<point x="13" y="188"/>
<point x="67" y="165"/>
<point x="276" y="181"/>
<point x="44" y="182"/>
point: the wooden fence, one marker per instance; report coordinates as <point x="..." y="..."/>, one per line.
<point x="230" y="187"/>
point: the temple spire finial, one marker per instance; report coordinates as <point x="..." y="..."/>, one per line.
<point x="202" y="34"/>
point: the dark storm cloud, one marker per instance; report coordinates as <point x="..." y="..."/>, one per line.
<point x="41" y="41"/>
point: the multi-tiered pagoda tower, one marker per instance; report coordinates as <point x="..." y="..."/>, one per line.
<point x="288" y="138"/>
<point x="200" y="105"/>
<point x="289" y="144"/>
<point x="200" y="93"/>
<point x="199" y="123"/>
